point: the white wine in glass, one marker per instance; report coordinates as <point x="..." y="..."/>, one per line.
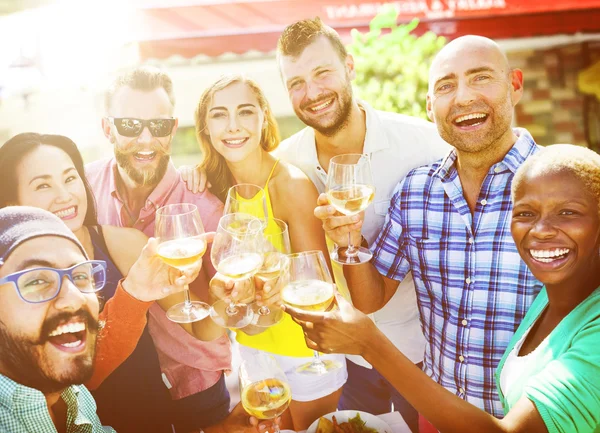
<point x="276" y="247"/>
<point x="181" y="244"/>
<point x="182" y="253"/>
<point x="271" y="267"/>
<point x="350" y="190"/>
<point x="265" y="391"/>
<point x="306" y="284"/>
<point x="241" y="266"/>
<point x="236" y="254"/>
<point x="350" y="200"/>
<point x="308" y="295"/>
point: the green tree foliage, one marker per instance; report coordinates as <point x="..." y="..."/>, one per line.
<point x="392" y="65"/>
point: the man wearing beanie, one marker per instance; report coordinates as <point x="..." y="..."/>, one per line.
<point x="49" y="327"/>
<point x="48" y="324"/>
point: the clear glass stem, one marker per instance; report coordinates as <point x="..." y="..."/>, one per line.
<point x="317" y="364"/>
<point x="187" y="303"/>
<point x="231" y="309"/>
<point x="264" y="311"/>
<point x="351" y="251"/>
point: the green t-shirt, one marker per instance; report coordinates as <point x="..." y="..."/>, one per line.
<point x="562" y="376"/>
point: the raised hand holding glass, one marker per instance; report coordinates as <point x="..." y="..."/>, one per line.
<point x="306" y="284"/>
<point x="182" y="244"/>
<point x="276" y="247"/>
<point x="236" y="255"/>
<point x="350" y="190"/>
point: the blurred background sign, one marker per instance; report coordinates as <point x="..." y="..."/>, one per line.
<point x="213" y="28"/>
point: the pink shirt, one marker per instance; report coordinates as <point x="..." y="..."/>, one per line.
<point x="188" y="365"/>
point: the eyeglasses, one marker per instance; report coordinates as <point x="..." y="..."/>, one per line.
<point x="43" y="284"/>
<point x="132" y="127"/>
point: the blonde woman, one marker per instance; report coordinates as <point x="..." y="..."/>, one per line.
<point x="236" y="130"/>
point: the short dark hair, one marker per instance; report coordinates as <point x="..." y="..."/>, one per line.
<point x="15" y="149"/>
<point x="296" y="37"/>
<point x="146" y="78"/>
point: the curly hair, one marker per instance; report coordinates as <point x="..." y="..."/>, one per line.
<point x="213" y="163"/>
<point x="582" y="162"/>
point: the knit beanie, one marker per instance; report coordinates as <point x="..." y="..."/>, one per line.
<point x="21" y="223"/>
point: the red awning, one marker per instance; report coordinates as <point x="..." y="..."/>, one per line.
<point x="240" y="26"/>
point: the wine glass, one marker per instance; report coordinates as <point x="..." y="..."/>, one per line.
<point x="350" y="190"/>
<point x="246" y="198"/>
<point x="181" y="244"/>
<point x="276" y="246"/>
<point x="265" y="391"/>
<point x="306" y="284"/>
<point x="236" y="254"/>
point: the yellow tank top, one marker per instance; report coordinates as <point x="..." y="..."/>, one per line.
<point x="285" y="338"/>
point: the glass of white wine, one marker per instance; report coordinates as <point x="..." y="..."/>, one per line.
<point x="306" y="284"/>
<point x="237" y="255"/>
<point x="350" y="190"/>
<point x="181" y="244"/>
<point x="247" y="198"/>
<point x="266" y="393"/>
<point x="276" y="247"/>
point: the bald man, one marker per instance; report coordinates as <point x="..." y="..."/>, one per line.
<point x="449" y="223"/>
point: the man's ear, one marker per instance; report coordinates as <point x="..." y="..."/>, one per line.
<point x="106" y="129"/>
<point x="350" y="67"/>
<point x="516" y="82"/>
<point x="429" y="107"/>
<point x="174" y="131"/>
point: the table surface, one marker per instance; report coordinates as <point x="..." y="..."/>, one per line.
<point x="394" y="420"/>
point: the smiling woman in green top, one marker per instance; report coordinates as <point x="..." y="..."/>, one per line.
<point x="549" y="377"/>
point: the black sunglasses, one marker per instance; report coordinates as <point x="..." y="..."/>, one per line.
<point x="131" y="127"/>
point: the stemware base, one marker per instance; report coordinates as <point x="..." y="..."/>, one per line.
<point x="360" y="255"/>
<point x="318" y="367"/>
<point x="188" y="313"/>
<point x="262" y="320"/>
<point x="231" y="316"/>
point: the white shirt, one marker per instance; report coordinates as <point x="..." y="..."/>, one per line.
<point x="396" y="144"/>
<point x="514" y="364"/>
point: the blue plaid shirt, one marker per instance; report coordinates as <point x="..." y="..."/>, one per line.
<point x="473" y="289"/>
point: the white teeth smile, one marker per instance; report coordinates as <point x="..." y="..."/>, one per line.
<point x="470" y="117"/>
<point x="548" y="256"/>
<point x="73" y="344"/>
<point x="323" y="105"/>
<point x="235" y="142"/>
<point x="147" y="154"/>
<point x="66" y="212"/>
<point x="69" y="328"/>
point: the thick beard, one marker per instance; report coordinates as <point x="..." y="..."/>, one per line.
<point x="342" y="114"/>
<point x="142" y="177"/>
<point x="22" y="363"/>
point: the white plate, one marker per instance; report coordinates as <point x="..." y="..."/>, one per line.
<point x="341" y="416"/>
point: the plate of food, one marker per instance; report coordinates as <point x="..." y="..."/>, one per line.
<point x="349" y="421"/>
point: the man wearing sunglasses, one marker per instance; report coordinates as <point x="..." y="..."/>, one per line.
<point x="178" y="378"/>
